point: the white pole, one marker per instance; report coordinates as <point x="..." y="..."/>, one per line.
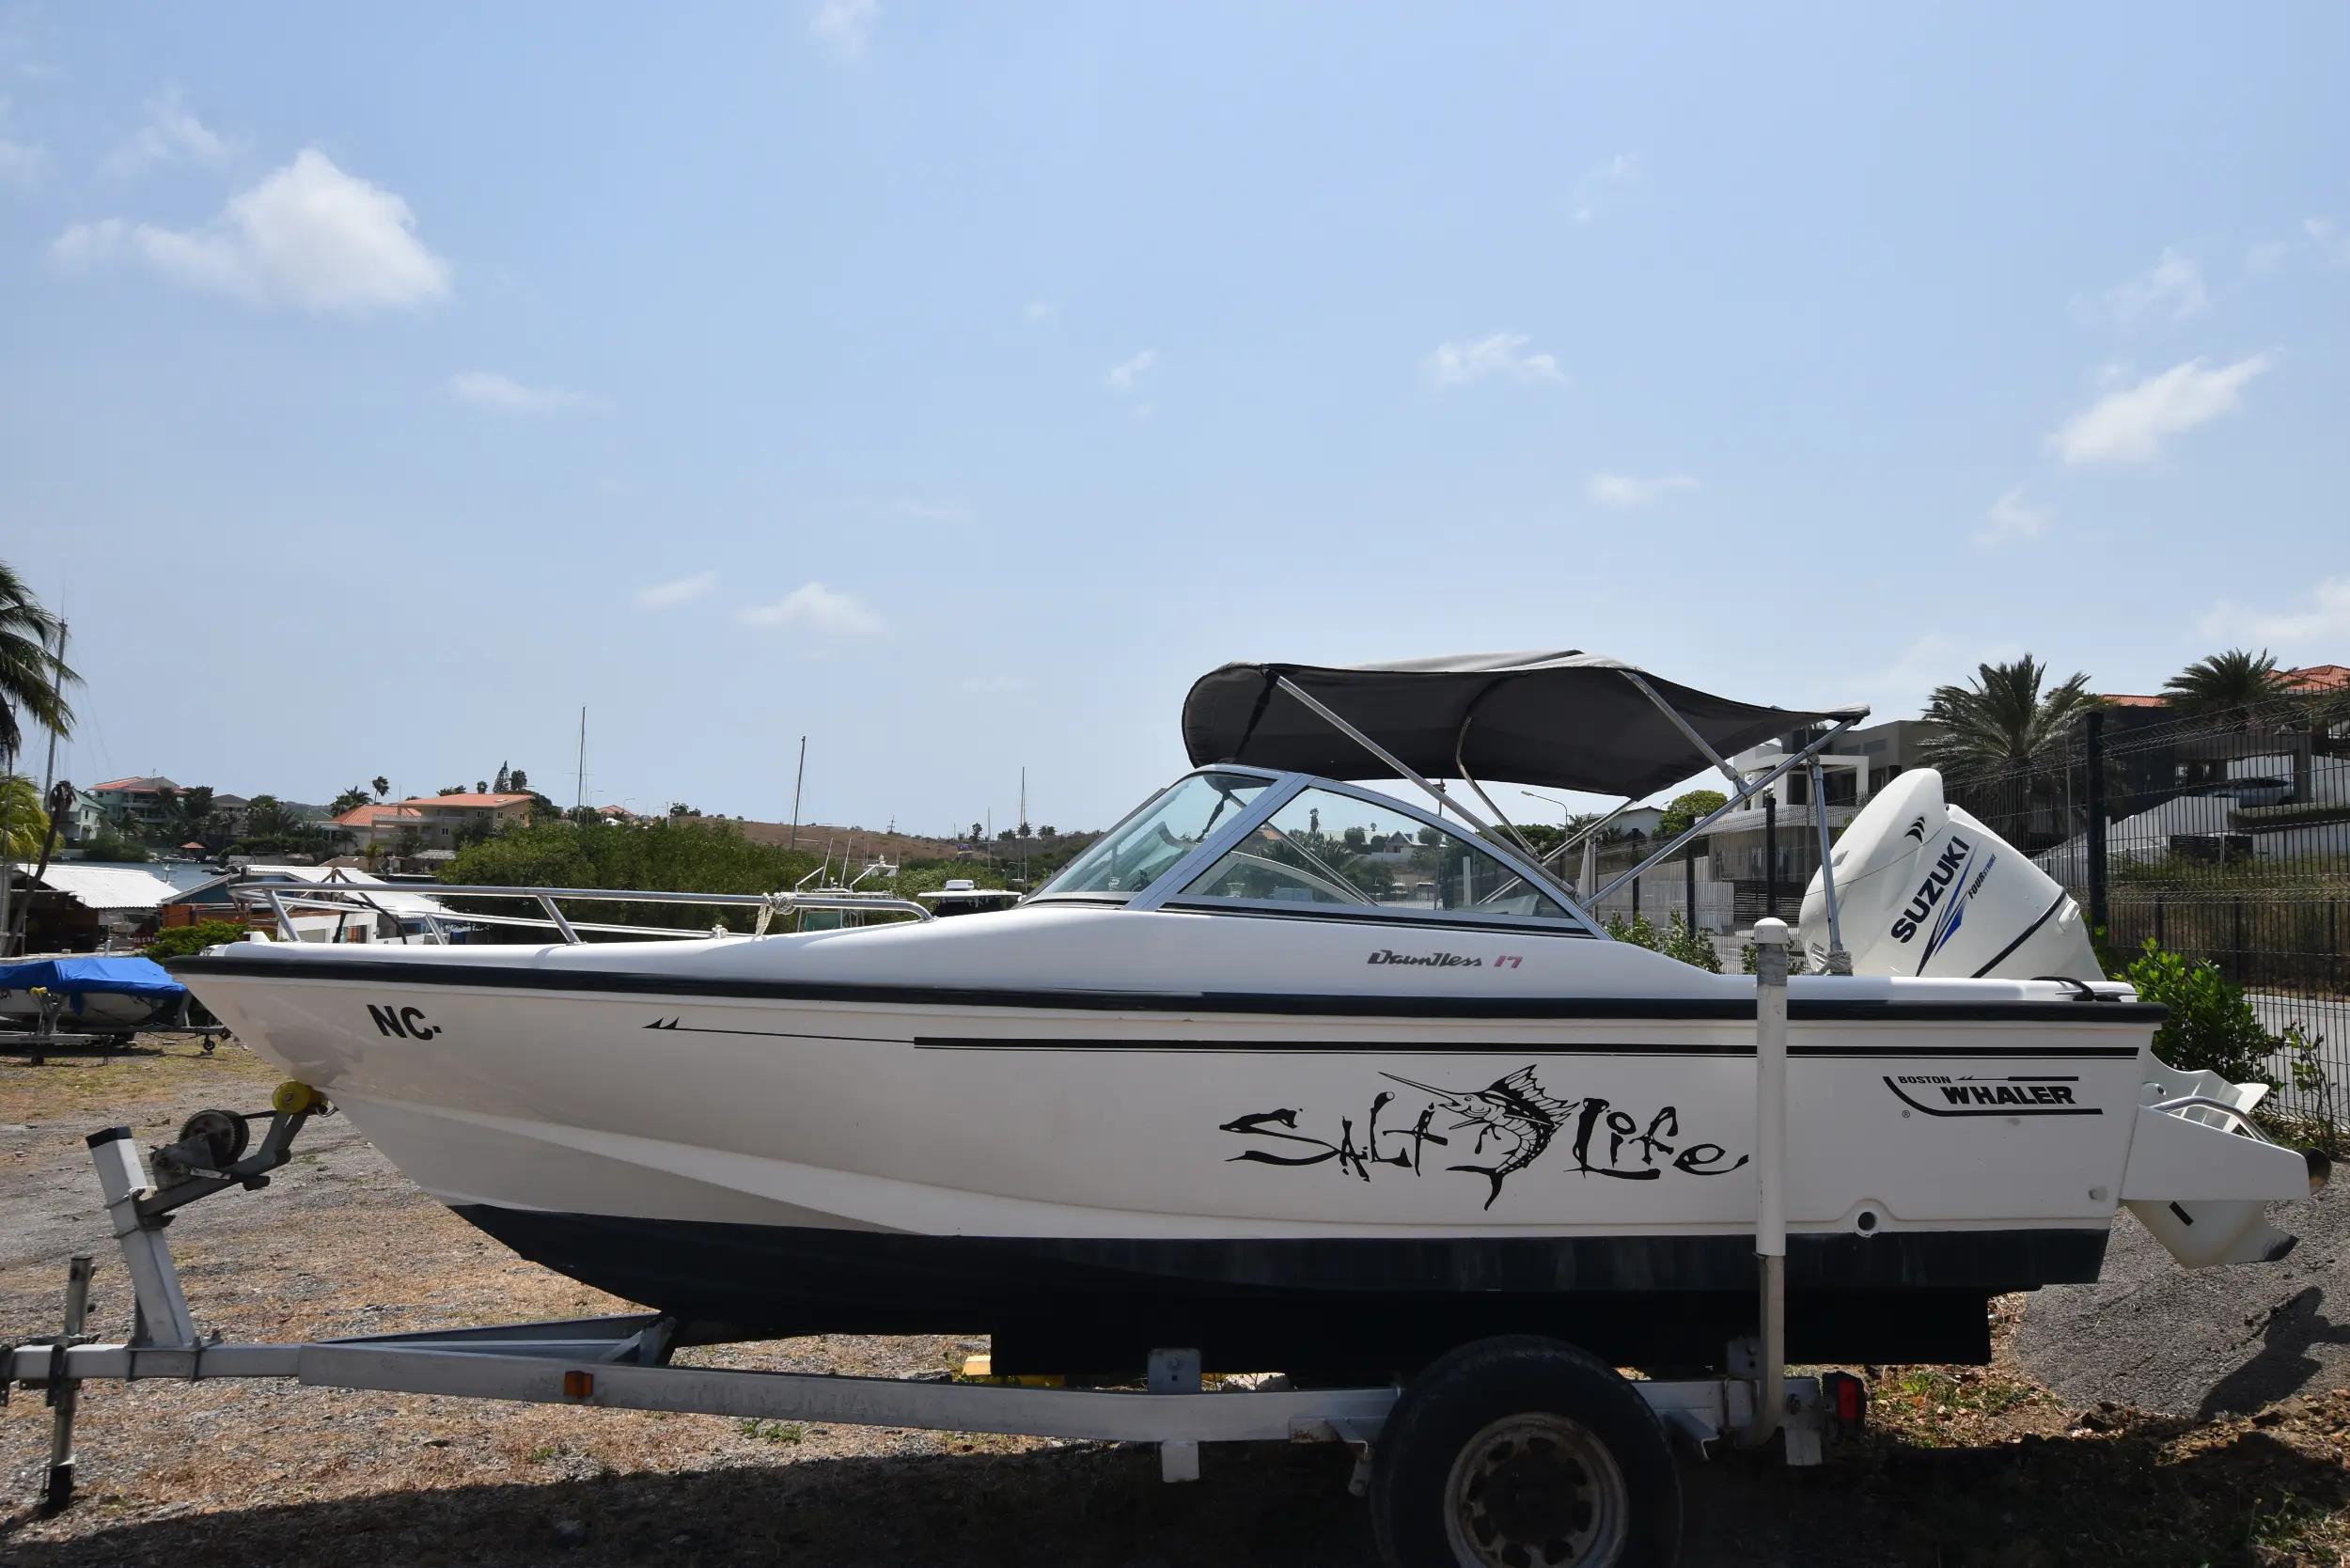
<point x="1839" y="961"/>
<point x="797" y="779"/>
<point x="56" y="690"/>
<point x="1770" y="1170"/>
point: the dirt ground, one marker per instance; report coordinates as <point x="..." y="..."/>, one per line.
<point x="1962" y="1466"/>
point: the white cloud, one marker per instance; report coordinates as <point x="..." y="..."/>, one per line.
<point x="1599" y="183"/>
<point x="2324" y="624"/>
<point x="1036" y="310"/>
<point x="845" y="25"/>
<point x="488" y="389"/>
<point x="2010" y="520"/>
<point x="2169" y="290"/>
<point x="1623" y="489"/>
<point x="682" y="590"/>
<point x="2130" y="425"/>
<point x="2321" y="238"/>
<point x="170" y="136"/>
<point x="1125" y="377"/>
<point x="820" y="609"/>
<point x="1502" y="355"/>
<point x="308" y="235"/>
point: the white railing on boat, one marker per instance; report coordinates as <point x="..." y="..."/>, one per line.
<point x="357" y="898"/>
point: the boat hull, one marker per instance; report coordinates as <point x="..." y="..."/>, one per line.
<point x="1337" y="1310"/>
<point x="761" y="1143"/>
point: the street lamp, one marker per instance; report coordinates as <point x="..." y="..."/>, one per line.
<point x="1566" y="811"/>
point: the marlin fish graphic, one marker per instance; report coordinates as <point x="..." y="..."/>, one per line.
<point x="1512" y="1111"/>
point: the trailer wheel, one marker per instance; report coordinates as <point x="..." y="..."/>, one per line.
<point x="1524" y="1452"/>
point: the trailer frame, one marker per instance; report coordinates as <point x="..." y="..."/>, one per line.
<point x="623" y="1361"/>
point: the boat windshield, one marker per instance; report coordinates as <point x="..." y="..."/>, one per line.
<point x="1139" y="851"/>
<point x="1333" y="851"/>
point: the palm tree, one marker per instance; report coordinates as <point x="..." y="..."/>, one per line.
<point x="30" y="673"/>
<point x="2230" y="687"/>
<point x="24" y="825"/>
<point x="2002" y="747"/>
<point x="2005" y="719"/>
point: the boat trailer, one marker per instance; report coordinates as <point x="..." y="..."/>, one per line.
<point x="623" y="1362"/>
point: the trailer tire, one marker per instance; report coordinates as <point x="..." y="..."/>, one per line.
<point x="1524" y="1452"/>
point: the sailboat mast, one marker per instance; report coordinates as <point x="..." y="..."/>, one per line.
<point x="56" y="689"/>
<point x="797" y="779"/>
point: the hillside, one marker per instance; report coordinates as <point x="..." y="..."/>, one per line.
<point x="862" y="844"/>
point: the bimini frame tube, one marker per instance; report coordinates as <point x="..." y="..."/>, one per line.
<point x="1744" y="791"/>
<point x="1557" y="889"/>
<point x="1839" y="961"/>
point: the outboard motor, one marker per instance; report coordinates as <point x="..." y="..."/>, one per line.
<point x="1923" y="888"/>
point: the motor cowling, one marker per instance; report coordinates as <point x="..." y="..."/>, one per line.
<point x="1923" y="888"/>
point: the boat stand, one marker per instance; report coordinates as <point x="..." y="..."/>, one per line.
<point x="623" y="1362"/>
<point x="45" y="1036"/>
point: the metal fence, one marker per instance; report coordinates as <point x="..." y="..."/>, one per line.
<point x="2223" y="839"/>
<point x="1759" y="864"/>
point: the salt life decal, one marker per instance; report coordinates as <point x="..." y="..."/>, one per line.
<point x="1514" y="1121"/>
<point x="1939" y="1095"/>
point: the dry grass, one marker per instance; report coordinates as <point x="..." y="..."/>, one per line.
<point x="1962" y="1466"/>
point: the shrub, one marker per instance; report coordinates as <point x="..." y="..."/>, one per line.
<point x="1638" y="930"/>
<point x="181" y="941"/>
<point x="2211" y="1026"/>
<point x="1676" y="941"/>
<point x="1690" y="947"/>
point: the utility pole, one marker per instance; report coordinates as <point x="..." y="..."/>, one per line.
<point x="1024" y="826"/>
<point x="797" y="779"/>
<point x="56" y="690"/>
<point x="7" y="850"/>
<point x="579" y="784"/>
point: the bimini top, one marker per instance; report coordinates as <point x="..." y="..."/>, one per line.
<point x="1570" y="720"/>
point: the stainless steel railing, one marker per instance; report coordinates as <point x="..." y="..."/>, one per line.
<point x="350" y="897"/>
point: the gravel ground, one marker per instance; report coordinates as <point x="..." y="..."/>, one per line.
<point x="1963" y="1466"/>
<point x="2203" y="1342"/>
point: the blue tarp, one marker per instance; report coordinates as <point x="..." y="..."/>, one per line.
<point x="80" y="976"/>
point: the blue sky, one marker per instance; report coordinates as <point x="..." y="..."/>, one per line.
<point x="952" y="384"/>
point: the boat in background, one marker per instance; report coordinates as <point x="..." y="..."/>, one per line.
<point x="105" y="995"/>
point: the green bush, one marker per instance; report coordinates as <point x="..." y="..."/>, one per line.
<point x="682" y="855"/>
<point x="180" y="941"/>
<point x="2211" y="1026"/>
<point x="1690" y="947"/>
<point x="929" y="876"/>
<point x="1638" y="930"/>
<point x="1676" y="940"/>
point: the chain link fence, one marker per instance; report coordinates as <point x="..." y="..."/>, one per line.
<point x="2225" y="839"/>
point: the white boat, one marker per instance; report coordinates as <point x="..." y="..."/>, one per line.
<point x="112" y="994"/>
<point x="1282" y="1068"/>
